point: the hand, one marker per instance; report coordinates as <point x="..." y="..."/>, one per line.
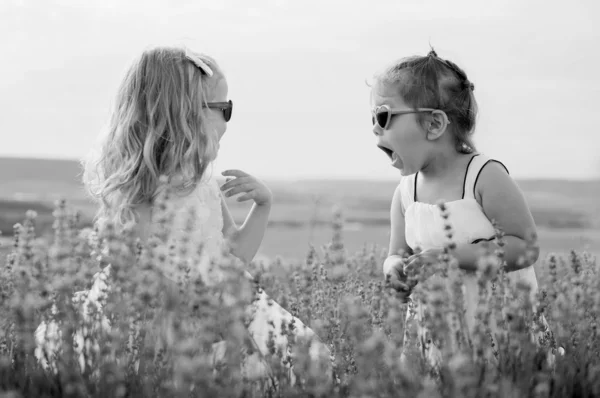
<point x="427" y="258"/>
<point x="396" y="278"/>
<point x="253" y="188"/>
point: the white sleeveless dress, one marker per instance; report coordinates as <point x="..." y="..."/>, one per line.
<point x="206" y="229"/>
<point x="424" y="229"/>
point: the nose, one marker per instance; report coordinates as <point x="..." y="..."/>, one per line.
<point x="378" y="131"/>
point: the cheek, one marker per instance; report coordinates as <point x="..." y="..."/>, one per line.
<point x="222" y="130"/>
<point x="216" y="124"/>
<point x="406" y="141"/>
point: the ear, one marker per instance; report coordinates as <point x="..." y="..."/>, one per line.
<point x="437" y="125"/>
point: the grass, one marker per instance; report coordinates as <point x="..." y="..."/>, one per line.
<point x="340" y="293"/>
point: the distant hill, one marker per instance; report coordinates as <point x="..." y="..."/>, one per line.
<point x="40" y="169"/>
<point x="39" y="182"/>
<point x="16" y="174"/>
<point x="66" y="170"/>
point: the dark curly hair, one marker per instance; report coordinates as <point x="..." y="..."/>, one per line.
<point x="433" y="82"/>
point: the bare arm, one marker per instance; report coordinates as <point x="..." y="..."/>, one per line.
<point x="503" y="201"/>
<point x="229" y="225"/>
<point x="394" y="264"/>
<point x="398" y="244"/>
<point x="245" y="240"/>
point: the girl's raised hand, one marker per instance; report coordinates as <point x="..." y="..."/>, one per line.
<point x="252" y="187"/>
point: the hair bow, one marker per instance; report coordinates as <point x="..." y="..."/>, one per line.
<point x="196" y="60"/>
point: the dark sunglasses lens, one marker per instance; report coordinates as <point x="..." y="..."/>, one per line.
<point x="228" y="111"/>
<point x="382" y="118"/>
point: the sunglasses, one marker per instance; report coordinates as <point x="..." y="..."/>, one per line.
<point x="382" y="115"/>
<point x="225" y="107"/>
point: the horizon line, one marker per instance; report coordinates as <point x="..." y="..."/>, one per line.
<point x="296" y="178"/>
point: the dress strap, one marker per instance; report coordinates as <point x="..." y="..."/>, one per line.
<point x="407" y="187"/>
<point x="476" y="164"/>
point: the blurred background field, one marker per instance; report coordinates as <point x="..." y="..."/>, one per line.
<point x="567" y="213"/>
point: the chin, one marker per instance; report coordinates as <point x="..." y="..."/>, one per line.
<point x="403" y="170"/>
<point x="406" y="171"/>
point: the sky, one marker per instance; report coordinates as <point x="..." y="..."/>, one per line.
<point x="297" y="73"/>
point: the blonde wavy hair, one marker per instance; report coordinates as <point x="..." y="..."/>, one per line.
<point x="157" y="128"/>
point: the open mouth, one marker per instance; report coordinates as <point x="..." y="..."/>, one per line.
<point x="394" y="157"/>
<point x="387" y="151"/>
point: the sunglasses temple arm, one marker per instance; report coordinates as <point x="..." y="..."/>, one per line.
<point x="405" y="112"/>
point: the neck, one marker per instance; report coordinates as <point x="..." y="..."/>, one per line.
<point x="440" y="163"/>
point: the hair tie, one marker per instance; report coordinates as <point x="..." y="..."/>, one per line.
<point x="468" y="85"/>
<point x="196" y="60"/>
<point x="432" y="53"/>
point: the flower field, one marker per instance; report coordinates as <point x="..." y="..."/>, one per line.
<point x="340" y="294"/>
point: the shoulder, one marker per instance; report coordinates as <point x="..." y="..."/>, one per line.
<point x="404" y="192"/>
<point x="491" y="175"/>
<point x="486" y="171"/>
<point x="186" y="206"/>
<point x="143" y="222"/>
<point x="502" y="200"/>
<point x="407" y="182"/>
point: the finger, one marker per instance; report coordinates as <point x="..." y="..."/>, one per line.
<point x="399" y="273"/>
<point x="240" y="189"/>
<point x="399" y="286"/>
<point x="395" y="283"/>
<point x="235" y="173"/>
<point x="414" y="257"/>
<point x="248" y="196"/>
<point x="230" y="183"/>
<point x="403" y="297"/>
<point x="410" y="267"/>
